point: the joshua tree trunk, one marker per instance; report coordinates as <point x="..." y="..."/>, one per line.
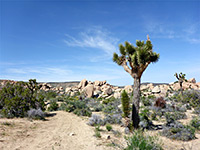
<point x="181" y="87"/>
<point x="136" y="102"/>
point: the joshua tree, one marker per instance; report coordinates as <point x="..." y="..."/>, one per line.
<point x="135" y="60"/>
<point x="181" y="79"/>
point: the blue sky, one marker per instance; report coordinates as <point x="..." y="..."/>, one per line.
<point x="73" y="40"/>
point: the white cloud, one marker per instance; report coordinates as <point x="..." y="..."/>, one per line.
<point x="188" y="32"/>
<point x="94" y="38"/>
<point x="38" y="70"/>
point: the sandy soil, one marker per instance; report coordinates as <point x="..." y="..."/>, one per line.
<point x="54" y="134"/>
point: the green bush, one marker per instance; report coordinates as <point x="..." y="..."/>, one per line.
<point x="148" y="101"/>
<point x="18" y="98"/>
<point x="173" y="116"/>
<point x="140" y="141"/>
<point x="108" y="109"/>
<point x="78" y="107"/>
<point x="178" y="131"/>
<point x="83" y="112"/>
<point x="97" y="134"/>
<point x="195" y="122"/>
<point x="197" y="110"/>
<point x="109" y="100"/>
<point x="145" y="122"/>
<point x="50" y="94"/>
<point x="53" y="106"/>
<point x="108" y="127"/>
<point x="125" y="103"/>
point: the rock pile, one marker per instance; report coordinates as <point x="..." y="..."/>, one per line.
<point x="105" y="90"/>
<point x="94" y="89"/>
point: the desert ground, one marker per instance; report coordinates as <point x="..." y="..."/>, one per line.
<point x="66" y="131"/>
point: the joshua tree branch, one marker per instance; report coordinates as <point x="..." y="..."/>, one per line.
<point x="126" y="68"/>
<point x="142" y="68"/>
<point x="130" y="63"/>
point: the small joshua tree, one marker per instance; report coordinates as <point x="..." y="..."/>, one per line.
<point x="135" y="60"/>
<point x="125" y="103"/>
<point x="181" y="78"/>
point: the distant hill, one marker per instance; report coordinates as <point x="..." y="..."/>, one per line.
<point x="63" y="84"/>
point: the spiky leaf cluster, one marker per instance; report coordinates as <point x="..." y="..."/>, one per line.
<point x="180" y="77"/>
<point x="138" y="56"/>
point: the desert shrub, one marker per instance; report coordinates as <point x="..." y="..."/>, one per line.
<point x="190" y="96"/>
<point x="36" y="114"/>
<point x="197" y="110"/>
<point x="112" y="108"/>
<point x="145" y="122"/>
<point x="53" y="106"/>
<point x="113" y="119"/>
<point x="109" y="109"/>
<point x="95" y="120"/>
<point x="169" y="107"/>
<point x="160" y="102"/>
<point x="79" y="107"/>
<point x="156" y="111"/>
<point x="70" y="107"/>
<point x="97" y="133"/>
<point x="108" y="100"/>
<point x="182" y="108"/>
<point x="50" y="94"/>
<point x="16" y="99"/>
<point x="98" y="108"/>
<point x="95" y="105"/>
<point x="153" y="116"/>
<point x="171" y="117"/>
<point x="147" y="101"/>
<point x="140" y="141"/>
<point x="62" y="106"/>
<point x="178" y="131"/>
<point x="195" y="122"/>
<point x="83" y="112"/>
<point x="108" y="127"/>
<point x="125" y="103"/>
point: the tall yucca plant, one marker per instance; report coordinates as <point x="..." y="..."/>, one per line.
<point x="134" y="60"/>
<point x="125" y="103"/>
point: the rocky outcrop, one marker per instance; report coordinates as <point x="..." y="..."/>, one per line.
<point x="192" y="80"/>
<point x="156" y="89"/>
<point x="128" y="88"/>
<point x="89" y="90"/>
<point x="105" y="90"/>
<point x="83" y="84"/>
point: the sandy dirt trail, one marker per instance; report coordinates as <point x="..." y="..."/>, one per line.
<point x="54" y="134"/>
